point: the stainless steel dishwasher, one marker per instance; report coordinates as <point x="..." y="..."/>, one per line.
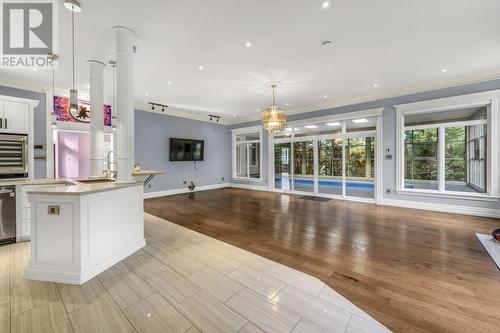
<point x="7" y="214"/>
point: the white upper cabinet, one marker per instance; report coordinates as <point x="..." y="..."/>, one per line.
<point x="15" y="117"/>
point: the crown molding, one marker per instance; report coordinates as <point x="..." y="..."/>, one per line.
<point x="415" y="89"/>
<point x="227" y="119"/>
<point x="24" y="85"/>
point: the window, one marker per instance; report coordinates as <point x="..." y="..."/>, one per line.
<point x="329" y="156"/>
<point x="247" y="153"/>
<point x="447" y="149"/>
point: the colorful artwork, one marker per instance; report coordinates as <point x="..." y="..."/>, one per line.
<point x="63" y="113"/>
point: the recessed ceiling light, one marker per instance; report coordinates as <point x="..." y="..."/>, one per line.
<point x="325" y="96"/>
<point x="248" y="44"/>
<point x="35" y="69"/>
<point x="311" y="126"/>
<point x="169" y="83"/>
<point x="287" y="104"/>
<point x="258" y="110"/>
<point x="359" y="121"/>
<point x="146" y="94"/>
<point x="288" y="129"/>
<point x="295" y="129"/>
<point x="200" y="67"/>
<point x="325" y="4"/>
<point x="375" y="85"/>
<point x="234" y="114"/>
<point x="333" y="124"/>
<point x="444" y="70"/>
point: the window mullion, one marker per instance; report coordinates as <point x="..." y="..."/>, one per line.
<point x="441" y="158"/>
<point x="248" y="160"/>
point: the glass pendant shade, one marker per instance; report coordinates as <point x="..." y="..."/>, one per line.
<point x="73" y="100"/>
<point x="273" y="120"/>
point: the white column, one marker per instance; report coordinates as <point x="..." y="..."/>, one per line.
<point x="96" y="119"/>
<point x="124" y="43"/>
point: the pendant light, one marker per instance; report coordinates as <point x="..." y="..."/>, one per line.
<point x="273" y="119"/>
<point x="53" y="57"/>
<point x="112" y="63"/>
<point x="74" y="7"/>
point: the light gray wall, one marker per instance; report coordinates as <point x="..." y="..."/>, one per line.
<point x="40" y="126"/>
<point x="389" y="136"/>
<point x="152" y="133"/>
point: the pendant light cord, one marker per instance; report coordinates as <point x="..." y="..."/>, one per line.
<point x="274" y="86"/>
<point x="73" y="43"/>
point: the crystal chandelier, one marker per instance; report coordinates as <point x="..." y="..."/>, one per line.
<point x="273" y="119"/>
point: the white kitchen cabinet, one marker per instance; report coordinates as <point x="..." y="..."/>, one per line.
<point x="23" y="210"/>
<point x="15" y="117"/>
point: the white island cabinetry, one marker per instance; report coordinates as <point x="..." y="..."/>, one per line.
<point x="23" y="209"/>
<point x="81" y="230"/>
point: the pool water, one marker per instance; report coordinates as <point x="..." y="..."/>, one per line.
<point x="333" y="184"/>
<point x="337" y="184"/>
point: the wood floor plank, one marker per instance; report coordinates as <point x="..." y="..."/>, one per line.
<point x="399" y="265"/>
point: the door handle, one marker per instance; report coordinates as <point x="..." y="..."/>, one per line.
<point x="5" y="123"/>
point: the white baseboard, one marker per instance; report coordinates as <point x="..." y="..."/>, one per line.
<point x="156" y="194"/>
<point x="250" y="187"/>
<point x="437" y="207"/>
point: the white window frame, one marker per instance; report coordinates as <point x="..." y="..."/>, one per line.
<point x="343" y="118"/>
<point x="490" y="99"/>
<point x="246" y="130"/>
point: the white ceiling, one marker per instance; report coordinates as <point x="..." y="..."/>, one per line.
<point x="401" y="45"/>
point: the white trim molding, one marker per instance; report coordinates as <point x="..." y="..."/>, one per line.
<point x="444" y="208"/>
<point x="489" y="99"/>
<point x="246" y="130"/>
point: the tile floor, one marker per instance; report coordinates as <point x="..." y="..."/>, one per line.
<point x="182" y="281"/>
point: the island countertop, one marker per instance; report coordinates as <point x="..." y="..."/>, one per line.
<point x="147" y="173"/>
<point x="37" y="181"/>
<point x="83" y="189"/>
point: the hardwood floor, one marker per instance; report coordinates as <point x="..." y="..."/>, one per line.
<point x="412" y="270"/>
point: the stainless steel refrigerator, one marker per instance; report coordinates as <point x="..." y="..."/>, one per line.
<point x="7" y="214"/>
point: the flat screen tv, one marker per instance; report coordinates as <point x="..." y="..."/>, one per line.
<point x="186" y="150"/>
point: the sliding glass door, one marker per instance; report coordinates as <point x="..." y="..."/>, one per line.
<point x="330" y="166"/>
<point x="335" y="159"/>
<point x="303" y="166"/>
<point x="360" y="167"/>
<point x="283" y="166"/>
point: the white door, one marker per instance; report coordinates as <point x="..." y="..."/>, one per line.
<point x="16" y="117"/>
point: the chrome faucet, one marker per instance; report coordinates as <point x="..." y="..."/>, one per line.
<point x="112" y="170"/>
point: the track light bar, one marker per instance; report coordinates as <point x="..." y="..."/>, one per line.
<point x="162" y="106"/>
<point x="213" y="117"/>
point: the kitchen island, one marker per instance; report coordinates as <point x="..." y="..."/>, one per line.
<point x="80" y="230"/>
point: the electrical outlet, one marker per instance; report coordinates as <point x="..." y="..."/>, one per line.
<point x="388" y="190"/>
<point x="223" y="178"/>
<point x="184" y="182"/>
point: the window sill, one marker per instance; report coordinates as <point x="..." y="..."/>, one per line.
<point x="450" y="195"/>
